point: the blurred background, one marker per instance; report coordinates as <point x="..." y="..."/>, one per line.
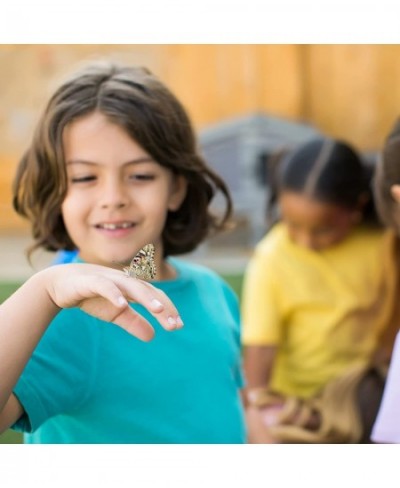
<point x="245" y="101"/>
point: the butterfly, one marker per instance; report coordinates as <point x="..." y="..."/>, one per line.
<point x="142" y="265"/>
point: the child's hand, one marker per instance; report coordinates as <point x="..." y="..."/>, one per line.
<point x="103" y="292"/>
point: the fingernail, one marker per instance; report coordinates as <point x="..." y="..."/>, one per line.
<point x="156" y="303"/>
<point x="171" y="321"/>
<point x="122" y="301"/>
<point x="179" y="321"/>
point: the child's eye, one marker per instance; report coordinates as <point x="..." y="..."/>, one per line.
<point x="141" y="176"/>
<point x="82" y="179"/>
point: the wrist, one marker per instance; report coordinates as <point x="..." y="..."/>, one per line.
<point x="43" y="283"/>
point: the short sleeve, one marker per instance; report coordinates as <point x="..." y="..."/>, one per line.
<point x="58" y="377"/>
<point x="262" y="313"/>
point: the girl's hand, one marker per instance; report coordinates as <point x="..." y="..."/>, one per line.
<point x="104" y="293"/>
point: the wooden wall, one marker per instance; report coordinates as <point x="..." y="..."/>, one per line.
<point x="348" y="91"/>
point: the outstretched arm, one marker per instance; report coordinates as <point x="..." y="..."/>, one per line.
<point x="99" y="291"/>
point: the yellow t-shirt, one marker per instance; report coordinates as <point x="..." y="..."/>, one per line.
<point x="323" y="310"/>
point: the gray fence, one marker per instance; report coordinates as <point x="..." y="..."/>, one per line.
<point x="237" y="150"/>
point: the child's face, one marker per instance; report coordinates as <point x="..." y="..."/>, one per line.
<point x="313" y="224"/>
<point x="118" y="197"/>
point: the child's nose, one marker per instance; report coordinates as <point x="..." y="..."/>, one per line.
<point x="113" y="195"/>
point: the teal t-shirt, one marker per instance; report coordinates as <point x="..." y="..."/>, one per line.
<point x="89" y="381"/>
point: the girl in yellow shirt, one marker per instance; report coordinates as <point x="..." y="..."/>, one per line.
<point x="317" y="298"/>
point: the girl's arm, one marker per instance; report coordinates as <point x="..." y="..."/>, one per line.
<point x="99" y="291"/>
<point x="258" y="364"/>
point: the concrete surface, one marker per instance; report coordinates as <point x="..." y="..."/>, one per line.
<point x="14" y="265"/>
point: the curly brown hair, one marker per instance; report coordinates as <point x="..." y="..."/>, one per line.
<point x="145" y="108"/>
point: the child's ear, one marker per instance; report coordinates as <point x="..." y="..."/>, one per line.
<point x="178" y="193"/>
<point x="395" y="191"/>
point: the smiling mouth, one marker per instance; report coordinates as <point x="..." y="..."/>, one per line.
<point x="115" y="226"/>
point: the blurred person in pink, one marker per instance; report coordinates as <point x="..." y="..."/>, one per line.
<point x="387" y="190"/>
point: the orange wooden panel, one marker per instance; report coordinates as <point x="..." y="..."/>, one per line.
<point x="353" y="91"/>
<point x="349" y="91"/>
<point x="9" y="220"/>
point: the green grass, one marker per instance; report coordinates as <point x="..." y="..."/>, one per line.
<point x="236" y="283"/>
<point x="6" y="289"/>
<point x="11" y="437"/>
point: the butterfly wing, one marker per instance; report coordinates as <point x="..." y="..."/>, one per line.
<point x="143" y="265"/>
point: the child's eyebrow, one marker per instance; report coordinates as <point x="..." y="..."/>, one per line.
<point x="144" y="159"/>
